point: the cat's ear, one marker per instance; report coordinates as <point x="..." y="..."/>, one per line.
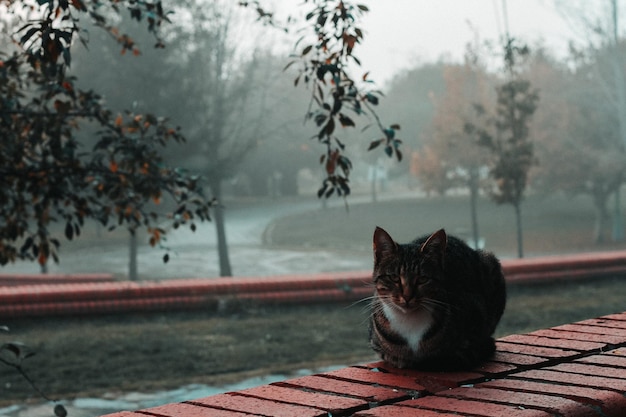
<point x="435" y="245"/>
<point x="383" y="244"/>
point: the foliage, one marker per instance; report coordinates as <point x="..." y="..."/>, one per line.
<point x="577" y="134"/>
<point x="509" y="142"/>
<point x="337" y="96"/>
<point x="47" y="174"/>
<point x="507" y="139"/>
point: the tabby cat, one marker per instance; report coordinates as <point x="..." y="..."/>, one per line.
<point x="436" y="304"/>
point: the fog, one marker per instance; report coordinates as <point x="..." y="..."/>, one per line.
<point x="247" y="136"/>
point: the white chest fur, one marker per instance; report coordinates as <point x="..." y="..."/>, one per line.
<point x="410" y="325"/>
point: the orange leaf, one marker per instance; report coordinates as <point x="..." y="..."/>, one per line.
<point x="119" y="120"/>
<point x="113" y="166"/>
<point x="42" y="259"/>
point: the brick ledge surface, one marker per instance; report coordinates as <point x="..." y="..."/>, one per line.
<point x="568" y="370"/>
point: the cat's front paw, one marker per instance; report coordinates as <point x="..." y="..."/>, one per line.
<point x="395" y="361"/>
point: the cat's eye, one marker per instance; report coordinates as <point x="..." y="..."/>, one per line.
<point x="421" y="280"/>
<point x="394" y="279"/>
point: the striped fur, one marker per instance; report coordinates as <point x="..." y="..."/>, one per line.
<point x="437" y="302"/>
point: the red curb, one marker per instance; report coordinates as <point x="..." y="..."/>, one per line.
<point x="331" y="403"/>
<point x="189" y="410"/>
<point x="255" y="405"/>
<point x="604" y="323"/>
<point x="619" y="316"/>
<point x="567" y="378"/>
<point x="555" y="405"/>
<point x="544" y="352"/>
<point x="559" y="335"/>
<point x="582" y="328"/>
<point x="399" y="411"/>
<point x="369" y="376"/>
<point x="361" y="391"/>
<point x="611" y="403"/>
<point x="432" y="381"/>
<point x="588" y="369"/>
<point x="605" y="360"/>
<point x="471" y="407"/>
<point x="34" y="300"/>
<point x="518" y="359"/>
<point x="527" y="339"/>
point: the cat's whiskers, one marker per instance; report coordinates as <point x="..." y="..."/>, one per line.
<point x="432" y="305"/>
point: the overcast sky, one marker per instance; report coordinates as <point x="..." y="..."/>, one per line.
<point x="400" y="34"/>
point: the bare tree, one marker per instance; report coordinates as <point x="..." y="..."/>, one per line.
<point x="599" y="27"/>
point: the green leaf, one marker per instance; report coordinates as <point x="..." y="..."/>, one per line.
<point x="375" y="144"/>
<point x="69" y="231"/>
<point x="345" y="120"/>
<point x="60" y="411"/>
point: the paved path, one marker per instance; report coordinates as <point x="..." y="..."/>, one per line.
<point x="194" y="255"/>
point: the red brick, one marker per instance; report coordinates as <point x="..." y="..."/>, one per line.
<point x="593" y="370"/>
<point x="612" y="403"/>
<point x="399" y="411"/>
<point x="544" y="352"/>
<point x="582" y="328"/>
<point x="330" y="403"/>
<point x="601" y="322"/>
<point x="368" y="393"/>
<point x="189" y="410"/>
<point x="554" y="405"/>
<point x="606" y="359"/>
<point x="517" y="359"/>
<point x="382" y="378"/>
<point x="562" y="334"/>
<point x="495" y="368"/>
<point x="618" y="316"/>
<point x="252" y="405"/>
<point x="124" y="414"/>
<point x="573" y="379"/>
<point x="525" y="339"/>
<point x="472" y="408"/>
<point x="432" y="381"/>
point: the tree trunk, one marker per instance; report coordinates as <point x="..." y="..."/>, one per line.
<point x="374" y="170"/>
<point x="620" y="86"/>
<point x="617" y="232"/>
<point x="520" y="237"/>
<point x="220" y="228"/>
<point x="599" y="203"/>
<point x="473" y="186"/>
<point x="132" y="257"/>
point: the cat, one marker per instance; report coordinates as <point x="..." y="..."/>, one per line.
<point x="436" y="304"/>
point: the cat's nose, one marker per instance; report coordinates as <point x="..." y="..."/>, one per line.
<point x="407" y="298"/>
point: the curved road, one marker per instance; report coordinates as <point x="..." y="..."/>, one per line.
<point x="194" y="255"/>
